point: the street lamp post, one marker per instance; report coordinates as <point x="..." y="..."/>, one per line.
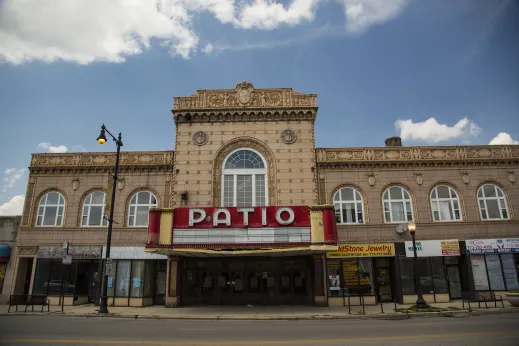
<point x="103" y="305"/>
<point x="420" y="302"/>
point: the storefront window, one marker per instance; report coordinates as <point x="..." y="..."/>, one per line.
<point x="148" y="278"/>
<point x="122" y="284"/>
<point x="494" y="272"/>
<point x="137" y="281"/>
<point x="41" y="276"/>
<point x="479" y="272"/>
<point x="406" y="275"/>
<point x="111" y="280"/>
<point x="495" y="275"/>
<point x="334" y="278"/>
<point x="509" y="271"/>
<point x="439" y="279"/>
<point x="357" y="277"/>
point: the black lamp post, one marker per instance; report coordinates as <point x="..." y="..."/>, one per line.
<point x="103" y="305"/>
<point x="420" y="302"/>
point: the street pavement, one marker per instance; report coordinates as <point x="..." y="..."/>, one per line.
<point x="494" y="330"/>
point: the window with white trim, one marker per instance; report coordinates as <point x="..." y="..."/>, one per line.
<point x="445" y="204"/>
<point x="51" y="209"/>
<point x="244" y="179"/>
<point x="349" y="207"/>
<point x="492" y="203"/>
<point x="93" y="210"/>
<point x="139" y="208"/>
<point x="397" y="205"/>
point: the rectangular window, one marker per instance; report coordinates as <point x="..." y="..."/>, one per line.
<point x="495" y="274"/>
<point x="397" y="211"/>
<point x="111" y="279"/>
<point x="228" y="191"/>
<point x="348" y="213"/>
<point x="438" y="275"/>
<point x="96" y="213"/>
<point x="509" y="271"/>
<point x="334" y="278"/>
<point x="141" y="217"/>
<point x="493" y="209"/>
<point x="41" y="277"/>
<point x="137" y="279"/>
<point x="479" y="272"/>
<point x="260" y="190"/>
<point x="122" y="281"/>
<point x="49" y="218"/>
<point x="244" y="190"/>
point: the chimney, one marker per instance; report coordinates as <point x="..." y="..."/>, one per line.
<point x="394" y="142"/>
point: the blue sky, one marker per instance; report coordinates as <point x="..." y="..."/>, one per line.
<point x="440" y="72"/>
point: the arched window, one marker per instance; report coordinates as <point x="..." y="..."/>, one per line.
<point x="492" y="203"/>
<point x="398" y="206"/>
<point x="140" y="205"/>
<point x="349" y="207"/>
<point x="50" y="210"/>
<point x="93" y="210"/>
<point x="244" y="179"/>
<point x="445" y="204"/>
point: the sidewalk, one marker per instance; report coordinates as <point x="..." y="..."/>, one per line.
<point x="261" y="312"/>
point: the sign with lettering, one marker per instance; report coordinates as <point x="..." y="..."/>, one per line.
<point x="433" y="248"/>
<point x="475" y="246"/>
<point x="363" y="250"/>
<point x="242" y="217"/>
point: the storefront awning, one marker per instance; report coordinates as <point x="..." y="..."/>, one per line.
<point x="5" y="253"/>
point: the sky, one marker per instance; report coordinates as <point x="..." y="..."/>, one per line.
<point x="442" y="72"/>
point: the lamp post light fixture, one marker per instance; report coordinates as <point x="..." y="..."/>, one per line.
<point x="420" y="302"/>
<point x="103" y="305"/>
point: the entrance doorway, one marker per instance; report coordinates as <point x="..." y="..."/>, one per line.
<point x="160" y="283"/>
<point x="383" y="280"/>
<point x="243" y="281"/>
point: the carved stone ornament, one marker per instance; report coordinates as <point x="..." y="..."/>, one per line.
<point x="120" y="183"/>
<point x="75" y="183"/>
<point x="372" y="178"/>
<point x="288" y="137"/>
<point x="200" y="138"/>
<point x="465" y="177"/>
<point x="244" y="93"/>
<point x="419" y="177"/>
<point x="511" y="175"/>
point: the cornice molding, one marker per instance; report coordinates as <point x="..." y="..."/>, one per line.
<point x="244" y="95"/>
<point x="418" y="156"/>
<point x="240" y="115"/>
<point x="26" y="229"/>
<point x="74" y="163"/>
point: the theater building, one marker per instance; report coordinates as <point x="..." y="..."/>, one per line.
<point x="246" y="210"/>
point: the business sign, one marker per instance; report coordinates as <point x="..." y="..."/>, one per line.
<point x="433" y="248"/>
<point x="505" y="245"/>
<point x="246" y="217"/>
<point x="363" y="250"/>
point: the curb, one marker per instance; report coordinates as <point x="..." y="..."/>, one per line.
<point x="386" y="316"/>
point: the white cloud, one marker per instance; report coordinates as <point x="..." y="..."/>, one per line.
<point x="12" y="175"/>
<point x="208" y="48"/>
<point x="503" y="138"/>
<point x="266" y="14"/>
<point x="53" y="148"/>
<point x="13" y="207"/>
<point x="65" y="29"/>
<point x="433" y="132"/>
<point x="362" y="14"/>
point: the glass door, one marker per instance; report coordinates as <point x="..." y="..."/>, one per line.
<point x="384" y="284"/>
<point x="453" y="274"/>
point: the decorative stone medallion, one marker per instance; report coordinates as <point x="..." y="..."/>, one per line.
<point x="511" y="176"/>
<point x="288" y="137"/>
<point x="200" y="138"/>
<point x="372" y="178"/>
<point x="465" y="177"/>
<point x="419" y="177"/>
<point x="244" y="93"/>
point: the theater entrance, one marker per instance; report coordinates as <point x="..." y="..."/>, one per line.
<point x="247" y="280"/>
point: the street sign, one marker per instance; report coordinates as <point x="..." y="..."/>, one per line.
<point x="67" y="259"/>
<point x="108" y="269"/>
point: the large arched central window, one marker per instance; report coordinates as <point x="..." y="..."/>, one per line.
<point x="244" y="179"/>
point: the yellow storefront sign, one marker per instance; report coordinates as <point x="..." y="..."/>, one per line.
<point x="363" y="250"/>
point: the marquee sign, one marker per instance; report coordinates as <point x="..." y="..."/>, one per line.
<point x="235" y="217"/>
<point x="311" y="229"/>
